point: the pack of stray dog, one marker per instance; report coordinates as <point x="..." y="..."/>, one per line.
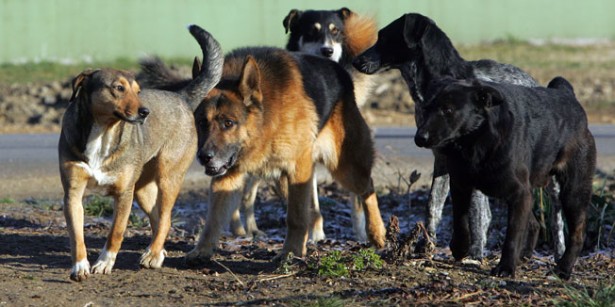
<point x="503" y="140"/>
<point x="265" y="113"/>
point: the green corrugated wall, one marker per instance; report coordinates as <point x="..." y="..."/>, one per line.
<point x="66" y="30"/>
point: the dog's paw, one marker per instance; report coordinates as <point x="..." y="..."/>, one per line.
<point x="80" y="270"/>
<point x="105" y="262"/>
<point x="317" y="235"/>
<point x="197" y="257"/>
<point x="377" y="236"/>
<point x="151" y="260"/>
<point x="503" y="270"/>
<point x="258" y="234"/>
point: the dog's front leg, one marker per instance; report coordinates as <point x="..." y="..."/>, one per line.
<point x="460" y="242"/>
<point x="106" y="259"/>
<point x="225" y="196"/>
<point x="519" y="207"/>
<point x="437" y="196"/>
<point x="74" y="181"/>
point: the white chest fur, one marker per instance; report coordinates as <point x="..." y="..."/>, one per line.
<point x="97" y="150"/>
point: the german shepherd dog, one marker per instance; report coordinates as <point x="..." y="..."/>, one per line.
<point x="422" y="52"/>
<point x="503" y="140"/>
<point x="338" y="35"/>
<point x="126" y="142"/>
<point x="274" y="115"/>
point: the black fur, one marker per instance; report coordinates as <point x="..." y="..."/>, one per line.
<point x="504" y="140"/>
<point x="325" y="81"/>
<point x="422" y="52"/>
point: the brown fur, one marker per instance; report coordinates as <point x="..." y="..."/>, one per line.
<point x="123" y="143"/>
<point x="260" y="121"/>
<point x="361" y="33"/>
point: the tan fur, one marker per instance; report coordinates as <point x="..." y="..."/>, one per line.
<point x="276" y="127"/>
<point x="126" y="153"/>
<point x="361" y="32"/>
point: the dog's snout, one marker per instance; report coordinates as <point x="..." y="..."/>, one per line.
<point x="326" y="51"/>
<point x="206" y="155"/>
<point x="143" y="112"/>
<point x="421" y="139"/>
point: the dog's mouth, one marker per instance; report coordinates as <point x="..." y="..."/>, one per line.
<point x="367" y="66"/>
<point x="134" y="120"/>
<point x="214" y="169"/>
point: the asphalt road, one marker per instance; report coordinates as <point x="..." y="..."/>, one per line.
<point x="29" y="162"/>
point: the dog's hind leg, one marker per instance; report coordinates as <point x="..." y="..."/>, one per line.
<point x="249" y="197"/>
<point x="317" y="232"/>
<point x="225" y="197"/>
<point x="557" y="220"/>
<point x="576" y="190"/>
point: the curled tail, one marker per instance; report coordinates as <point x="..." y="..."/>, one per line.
<point x="211" y="69"/>
<point x="561" y="83"/>
<point x="157" y="75"/>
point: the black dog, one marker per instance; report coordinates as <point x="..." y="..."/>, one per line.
<point x="503" y="140"/>
<point x="422" y="52"/>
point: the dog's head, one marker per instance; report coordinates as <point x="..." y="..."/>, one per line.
<point x="110" y="95"/>
<point x="320" y="33"/>
<point x="453" y="109"/>
<point x="398" y="43"/>
<point x="224" y="120"/>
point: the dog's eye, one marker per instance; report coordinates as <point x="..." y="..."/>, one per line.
<point x="120" y="88"/>
<point x="334" y="30"/>
<point x="228" y="123"/>
<point x="447" y="110"/>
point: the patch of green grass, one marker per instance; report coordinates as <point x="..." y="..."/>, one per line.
<point x="51" y="71"/>
<point x="98" y="206"/>
<point x="7" y="200"/>
<point x="337" y="264"/>
<point x="321" y="302"/>
<point x="604" y="296"/>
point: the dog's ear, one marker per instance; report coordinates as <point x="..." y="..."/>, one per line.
<point x="79" y="81"/>
<point x="196" y="67"/>
<point x="344" y="13"/>
<point x="249" y="82"/>
<point x="415" y="26"/>
<point x="291" y="19"/>
<point x="487" y="96"/>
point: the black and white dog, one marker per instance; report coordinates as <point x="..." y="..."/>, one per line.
<point x="504" y="140"/>
<point x="422" y="52"/>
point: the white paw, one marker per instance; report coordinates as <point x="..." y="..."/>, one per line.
<point x="80" y="270"/>
<point x="152" y="261"/>
<point x="317" y="235"/>
<point x="105" y="262"/>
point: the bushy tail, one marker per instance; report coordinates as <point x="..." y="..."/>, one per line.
<point x="211" y="69"/>
<point x="361" y="33"/>
<point x="157" y="75"/>
<point x="561" y="83"/>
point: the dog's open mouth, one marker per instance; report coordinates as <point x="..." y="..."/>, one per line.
<point x="134" y="121"/>
<point x="218" y="170"/>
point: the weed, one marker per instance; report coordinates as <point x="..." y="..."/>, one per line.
<point x="7" y="200"/>
<point x="603" y="296"/>
<point x="98" y="206"/>
<point x="336" y="264"/>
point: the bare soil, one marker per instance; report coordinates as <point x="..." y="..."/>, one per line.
<point x="35" y="263"/>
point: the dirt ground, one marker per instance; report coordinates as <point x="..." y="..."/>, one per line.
<point x="35" y="252"/>
<point x="35" y="263"/>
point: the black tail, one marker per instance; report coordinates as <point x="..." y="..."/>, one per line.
<point x="561" y="83"/>
<point x="157" y="75"/>
<point x="211" y="70"/>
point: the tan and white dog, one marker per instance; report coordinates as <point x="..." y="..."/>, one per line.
<point x="127" y="143"/>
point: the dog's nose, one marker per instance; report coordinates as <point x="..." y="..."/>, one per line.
<point x="326" y="51"/>
<point x="421" y="139"/>
<point x="205" y="156"/>
<point x="143" y="112"/>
